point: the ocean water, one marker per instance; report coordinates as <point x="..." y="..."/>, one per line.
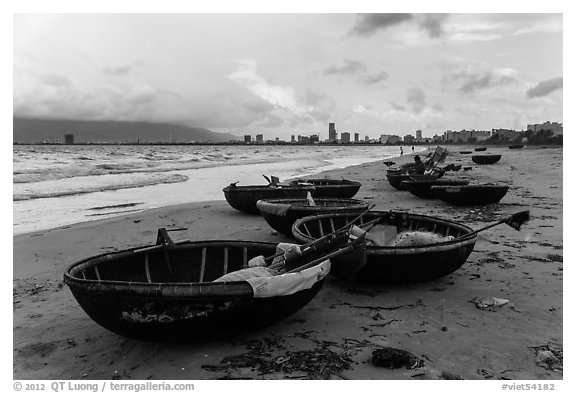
<point x="64" y="184"/>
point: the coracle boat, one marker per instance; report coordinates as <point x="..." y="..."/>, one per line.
<point x="470" y="195"/>
<point x="480" y="148"/>
<point x="331" y="188"/>
<point x="282" y="213"/>
<point x="465" y="152"/>
<point x="396" y="178"/>
<point x="193" y="290"/>
<point x="244" y="198"/>
<point x="516" y="147"/>
<point x="395" y="258"/>
<point x="486" y="159"/>
<point x="422" y="188"/>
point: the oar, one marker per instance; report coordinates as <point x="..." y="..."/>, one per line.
<point x="349" y="247"/>
<point x="515" y="221"/>
<point x="321" y="239"/>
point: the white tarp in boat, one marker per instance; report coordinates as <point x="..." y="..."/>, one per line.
<point x="267" y="282"/>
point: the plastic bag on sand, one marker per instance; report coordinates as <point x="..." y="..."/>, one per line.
<point x="417" y="238"/>
<point x="489" y="303"/>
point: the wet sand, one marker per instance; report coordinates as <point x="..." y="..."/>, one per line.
<point x="436" y="321"/>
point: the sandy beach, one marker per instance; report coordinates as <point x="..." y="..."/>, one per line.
<point x="436" y="321"/>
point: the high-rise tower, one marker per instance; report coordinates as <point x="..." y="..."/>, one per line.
<point x="332" y="133"/>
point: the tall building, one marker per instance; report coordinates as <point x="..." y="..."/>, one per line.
<point x="418" y="135"/>
<point x="356" y="137"/>
<point x="69" y="139"/>
<point x="332" y="133"/>
<point x="345" y="137"/>
<point x="556" y="128"/>
<point x="259" y="138"/>
<point x="247" y="138"/>
<point x="293" y="139"/>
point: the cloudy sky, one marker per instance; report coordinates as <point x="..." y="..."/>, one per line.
<point x="283" y="74"/>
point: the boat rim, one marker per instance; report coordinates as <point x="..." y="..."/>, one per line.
<point x="133" y="286"/>
<point x="467" y="238"/>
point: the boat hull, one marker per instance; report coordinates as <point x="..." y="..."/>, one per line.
<point x="397" y="179"/>
<point x="299" y="208"/>
<point x="334" y="188"/>
<point x="470" y="195"/>
<point x="486" y="159"/>
<point x="113" y="289"/>
<point x="422" y="189"/>
<point x="244" y="198"/>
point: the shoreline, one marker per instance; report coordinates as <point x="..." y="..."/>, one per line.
<point x="113" y="214"/>
<point x="54" y="339"/>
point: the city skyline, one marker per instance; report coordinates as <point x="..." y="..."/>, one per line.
<point x="278" y="73"/>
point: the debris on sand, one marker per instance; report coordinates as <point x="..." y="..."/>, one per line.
<point x="318" y="363"/>
<point x="395" y="358"/>
<point x="549" y="356"/>
<point x="450" y="376"/>
<point x="489" y="304"/>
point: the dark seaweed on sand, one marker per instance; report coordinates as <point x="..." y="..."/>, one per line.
<point x="317" y="363"/>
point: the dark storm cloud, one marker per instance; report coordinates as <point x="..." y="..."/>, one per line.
<point x="349" y="67"/>
<point x="546" y="87"/>
<point x="368" y="24"/>
<point x="469" y="81"/>
<point x="376" y="78"/>
<point x="432" y="24"/>
<point x="417" y="100"/>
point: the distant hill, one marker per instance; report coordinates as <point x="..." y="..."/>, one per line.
<point x="39" y="130"/>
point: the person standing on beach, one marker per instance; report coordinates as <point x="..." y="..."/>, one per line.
<point x="401" y="151"/>
<point x="412" y="149"/>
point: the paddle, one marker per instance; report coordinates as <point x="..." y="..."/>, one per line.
<point x="349" y="247"/>
<point x="515" y="221"/>
<point x="321" y="239"/>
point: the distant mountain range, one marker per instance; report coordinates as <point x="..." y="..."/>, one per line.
<point x="41" y="130"/>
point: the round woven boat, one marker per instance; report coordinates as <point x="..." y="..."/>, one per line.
<point x="397" y="179"/>
<point x="390" y="264"/>
<point x="486" y="159"/>
<point x="280" y="214"/>
<point x="244" y="198"/>
<point x="480" y="149"/>
<point x="333" y="188"/>
<point x="470" y="195"/>
<point x="167" y="292"/>
<point x="422" y="188"/>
